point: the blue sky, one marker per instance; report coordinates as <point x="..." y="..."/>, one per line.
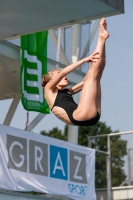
<point x="117" y="80"/>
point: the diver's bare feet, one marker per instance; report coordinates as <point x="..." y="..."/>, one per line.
<point x="103" y="33"/>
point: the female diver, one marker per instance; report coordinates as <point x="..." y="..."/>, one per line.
<point x="60" y="100"/>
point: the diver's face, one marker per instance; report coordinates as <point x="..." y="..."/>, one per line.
<point x="64" y="80"/>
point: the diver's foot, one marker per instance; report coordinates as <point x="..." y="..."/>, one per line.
<point x="103" y="33"/>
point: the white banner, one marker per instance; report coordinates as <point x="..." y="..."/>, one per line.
<point x="32" y="162"/>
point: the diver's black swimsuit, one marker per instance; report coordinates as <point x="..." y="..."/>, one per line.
<point x="65" y="100"/>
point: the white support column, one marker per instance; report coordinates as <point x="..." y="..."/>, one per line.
<point x="63" y="39"/>
<point x="73" y="130"/>
<point x="76" y="46"/>
<point x="12" y="110"/>
<point x="76" y="42"/>
<point x="58" y="48"/>
<point x="35" y="121"/>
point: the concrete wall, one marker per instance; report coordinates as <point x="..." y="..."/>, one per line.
<point x="118" y="193"/>
<point x="10" y="195"/>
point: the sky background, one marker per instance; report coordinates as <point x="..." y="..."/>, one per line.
<point x="117" y="81"/>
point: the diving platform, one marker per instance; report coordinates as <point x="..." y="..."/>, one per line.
<point x="23" y="17"/>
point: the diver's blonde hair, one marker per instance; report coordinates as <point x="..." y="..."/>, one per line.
<point x="48" y="76"/>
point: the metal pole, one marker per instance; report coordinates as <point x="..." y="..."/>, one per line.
<point x="109" y="170"/>
<point x="62" y="54"/>
<point x="95" y="27"/>
<point x="121" y="133"/>
<point x="129" y="168"/>
<point x="89" y="143"/>
<point x="37" y="119"/>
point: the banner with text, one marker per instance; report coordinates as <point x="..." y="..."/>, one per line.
<point x="32" y="162"/>
<point x="33" y="67"/>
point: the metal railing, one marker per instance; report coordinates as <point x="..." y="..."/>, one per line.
<point x="108" y="136"/>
